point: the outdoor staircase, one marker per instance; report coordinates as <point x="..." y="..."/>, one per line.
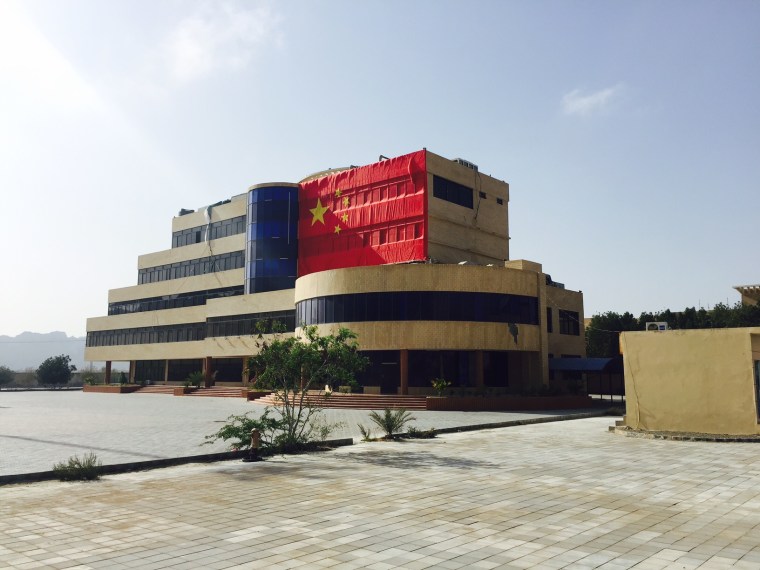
<point x="335" y="400"/>
<point x="156" y="389"/>
<point x="220" y="392"/>
<point x="213" y="392"/>
<point x="356" y="401"/>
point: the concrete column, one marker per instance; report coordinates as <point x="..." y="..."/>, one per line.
<point x="132" y="370"/>
<point x="404" y="372"/>
<point x="208" y="364"/>
<point x="166" y="371"/>
<point x="244" y="373"/>
<point x="107" y="379"/>
<point x="478" y="355"/>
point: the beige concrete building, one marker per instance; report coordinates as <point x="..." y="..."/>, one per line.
<point x="750" y="294"/>
<point x="703" y="380"/>
<point x="419" y="267"/>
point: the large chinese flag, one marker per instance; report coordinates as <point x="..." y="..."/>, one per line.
<point x="370" y="215"/>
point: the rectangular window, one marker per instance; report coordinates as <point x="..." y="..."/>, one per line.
<point x="452" y="192"/>
<point x="549" y="323"/>
<point x="569" y="322"/>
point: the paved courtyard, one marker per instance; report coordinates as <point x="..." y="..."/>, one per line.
<point x="39" y="429"/>
<point x="556" y="495"/>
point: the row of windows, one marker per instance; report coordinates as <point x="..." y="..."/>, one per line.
<point x="171" y="301"/>
<point x="452" y="192"/>
<point x="148" y="335"/>
<point x="243" y="325"/>
<point x="350" y="241"/>
<point x="237" y="325"/>
<point x="217" y="230"/>
<point x="419" y="306"/>
<point x="569" y="322"/>
<point x="202" y="266"/>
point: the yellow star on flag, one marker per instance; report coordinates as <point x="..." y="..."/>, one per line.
<point x="346" y="201"/>
<point x="337" y="229"/>
<point x="318" y="213"/>
<point x="338" y="192"/>
<point x="344" y="218"/>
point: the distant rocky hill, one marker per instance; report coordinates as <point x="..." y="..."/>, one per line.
<point x="29" y="349"/>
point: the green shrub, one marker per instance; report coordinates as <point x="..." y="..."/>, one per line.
<point x="89" y="379"/>
<point x="238" y="429"/>
<point x="75" y="469"/>
<point x="194" y="379"/>
<point x="440" y="385"/>
<point x="392" y="421"/>
<point x="414" y="433"/>
<point x="366" y="432"/>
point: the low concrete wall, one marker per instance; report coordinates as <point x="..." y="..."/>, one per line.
<point x="698" y="381"/>
<point x="111" y="388"/>
<point x="256" y="394"/>
<point x="508" y="403"/>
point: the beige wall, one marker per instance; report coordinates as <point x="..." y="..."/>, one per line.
<point x="217" y="280"/>
<point x="568" y="300"/>
<point x="247" y="304"/>
<point x="439" y="335"/>
<point x="456" y="233"/>
<point x="148" y="319"/>
<point x="157" y="351"/>
<point x="691" y="380"/>
<point x="416" y="277"/>
<point x="237" y="207"/>
<point x="194" y="251"/>
<point x="522" y="277"/>
<point x="229" y="346"/>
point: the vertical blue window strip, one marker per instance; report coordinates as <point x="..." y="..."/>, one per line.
<point x="272" y="239"/>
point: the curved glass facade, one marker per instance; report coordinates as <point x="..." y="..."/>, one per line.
<point x="272" y="240"/>
<point x="419" y="306"/>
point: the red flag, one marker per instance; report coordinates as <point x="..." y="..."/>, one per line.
<point x="371" y="215"/>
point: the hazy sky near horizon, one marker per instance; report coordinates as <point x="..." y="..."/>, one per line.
<point x="629" y="131"/>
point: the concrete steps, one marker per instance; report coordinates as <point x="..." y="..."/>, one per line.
<point x="157" y="389"/>
<point x="356" y="401"/>
<point x="213" y="392"/>
<point x="220" y="392"/>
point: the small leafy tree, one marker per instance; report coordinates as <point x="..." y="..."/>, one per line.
<point x="238" y="429"/>
<point x="391" y="421"/>
<point x="55" y="371"/>
<point x="440" y="385"/>
<point x="291" y="366"/>
<point x="6" y="375"/>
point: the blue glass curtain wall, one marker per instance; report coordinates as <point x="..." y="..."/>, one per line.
<point x="272" y="241"/>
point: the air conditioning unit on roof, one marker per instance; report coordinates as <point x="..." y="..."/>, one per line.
<point x="466" y="163"/>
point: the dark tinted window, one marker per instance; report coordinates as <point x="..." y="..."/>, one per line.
<point x="171" y="301"/>
<point x="419" y="306"/>
<point x="452" y="192"/>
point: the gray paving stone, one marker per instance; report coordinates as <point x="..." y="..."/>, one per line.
<point x="40" y="429"/>
<point x="560" y="495"/>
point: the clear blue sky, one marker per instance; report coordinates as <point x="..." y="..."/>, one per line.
<point x="629" y="131"/>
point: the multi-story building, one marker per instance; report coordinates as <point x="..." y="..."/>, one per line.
<point x="411" y="253"/>
<point x="750" y="294"/>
